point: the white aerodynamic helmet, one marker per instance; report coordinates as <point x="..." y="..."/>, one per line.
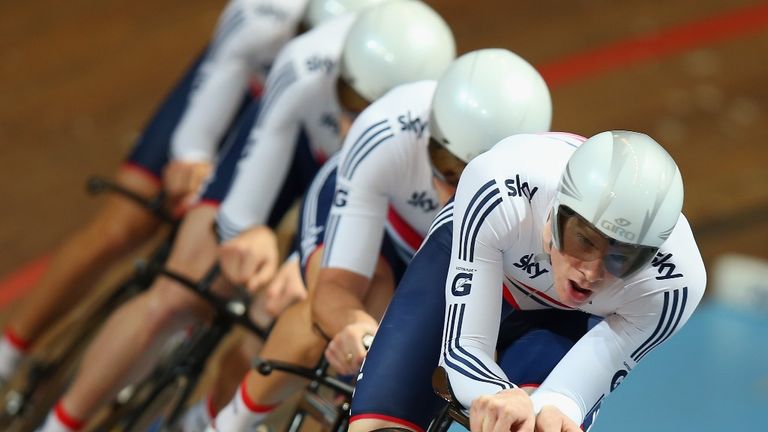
<point x="393" y="43"/>
<point x="319" y="11"/>
<point x="485" y="96"/>
<point x="626" y="186"/>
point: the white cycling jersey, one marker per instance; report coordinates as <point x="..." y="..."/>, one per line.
<point x="500" y="209"/>
<point x="248" y="36"/>
<point x="384" y="181"/>
<point x="300" y="95"/>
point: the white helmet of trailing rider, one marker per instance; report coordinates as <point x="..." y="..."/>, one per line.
<point x="319" y="11"/>
<point x="628" y="188"/>
<point x="393" y="43"/>
<point x="485" y="96"/>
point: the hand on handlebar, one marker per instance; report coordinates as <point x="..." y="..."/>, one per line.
<point x="182" y="181"/>
<point x="251" y="258"/>
<point x="507" y="410"/>
<point x="346" y="350"/>
<point x="550" y="419"/>
<point x="286" y="288"/>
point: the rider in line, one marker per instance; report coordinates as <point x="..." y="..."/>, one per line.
<point x="302" y="94"/>
<point x="174" y="154"/>
<point x="545" y="231"/>
<point x="366" y="212"/>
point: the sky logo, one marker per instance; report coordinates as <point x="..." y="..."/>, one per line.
<point x="408" y="123"/>
<point x="423" y="201"/>
<point x="516" y="188"/>
<point x="323" y="64"/>
<point x="272" y="11"/>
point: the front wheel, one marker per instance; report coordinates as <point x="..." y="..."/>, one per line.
<point x="149" y="407"/>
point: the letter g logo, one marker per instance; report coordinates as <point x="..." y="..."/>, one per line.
<point x="462" y="284"/>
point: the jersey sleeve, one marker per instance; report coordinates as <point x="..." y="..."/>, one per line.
<point x="603" y="357"/>
<point x="369" y="161"/>
<point x="482" y="229"/>
<point x="244" y="45"/>
<point x="268" y="153"/>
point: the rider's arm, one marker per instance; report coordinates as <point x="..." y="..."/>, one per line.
<point x="483" y="223"/>
<point x="270" y="149"/>
<point x="355" y="225"/>
<point x="245" y="43"/>
<point x="338" y="301"/>
<point x="653" y="308"/>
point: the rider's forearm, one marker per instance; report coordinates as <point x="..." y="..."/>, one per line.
<point x="210" y="111"/>
<point x="335" y="306"/>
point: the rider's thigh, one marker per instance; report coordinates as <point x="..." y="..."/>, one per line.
<point x="195" y="249"/>
<point x="122" y="221"/>
<point x="193" y="254"/>
<point x="167" y="301"/>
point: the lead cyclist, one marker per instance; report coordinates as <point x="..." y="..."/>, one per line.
<point x="546" y="231"/>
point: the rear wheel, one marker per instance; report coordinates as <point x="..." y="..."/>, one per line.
<point x="40" y="382"/>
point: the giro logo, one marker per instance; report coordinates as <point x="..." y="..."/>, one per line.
<point x="618" y="377"/>
<point x="462" y="284"/>
<point x="617" y="227"/>
<point x="622" y="222"/>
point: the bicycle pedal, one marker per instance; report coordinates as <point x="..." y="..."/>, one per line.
<point x="125" y="394"/>
<point x="14" y="403"/>
<point x="263" y="428"/>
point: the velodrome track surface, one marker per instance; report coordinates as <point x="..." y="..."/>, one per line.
<point x="79" y="78"/>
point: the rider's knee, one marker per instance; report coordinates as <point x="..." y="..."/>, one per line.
<point x="116" y="234"/>
<point x="316" y="313"/>
<point x="168" y="302"/>
<point x="311" y="344"/>
<point x="311" y="352"/>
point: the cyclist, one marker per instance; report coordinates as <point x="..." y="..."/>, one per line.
<point x="367" y="209"/>
<point x="300" y="94"/>
<point x="174" y="154"/>
<point x="568" y="228"/>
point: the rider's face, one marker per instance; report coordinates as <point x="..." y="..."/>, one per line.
<point x="351" y="101"/>
<point x="446" y="170"/>
<point x="578" y="269"/>
<point x="351" y="104"/>
<point x="444" y="190"/>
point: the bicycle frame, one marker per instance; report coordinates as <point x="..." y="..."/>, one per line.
<point x="332" y="416"/>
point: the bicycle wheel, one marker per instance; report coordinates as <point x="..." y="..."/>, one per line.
<point x="24" y="411"/>
<point x="164" y="409"/>
<point x="157" y="400"/>
<point x="40" y="382"/>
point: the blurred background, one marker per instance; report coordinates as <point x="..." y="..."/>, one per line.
<point x="79" y="78"/>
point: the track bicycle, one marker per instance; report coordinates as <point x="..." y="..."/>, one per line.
<point x="27" y="399"/>
<point x="157" y="402"/>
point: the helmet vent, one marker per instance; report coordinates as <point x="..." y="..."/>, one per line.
<point x="569" y="186"/>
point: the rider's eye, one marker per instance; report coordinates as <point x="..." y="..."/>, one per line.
<point x="584" y="241"/>
<point x="617" y="258"/>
